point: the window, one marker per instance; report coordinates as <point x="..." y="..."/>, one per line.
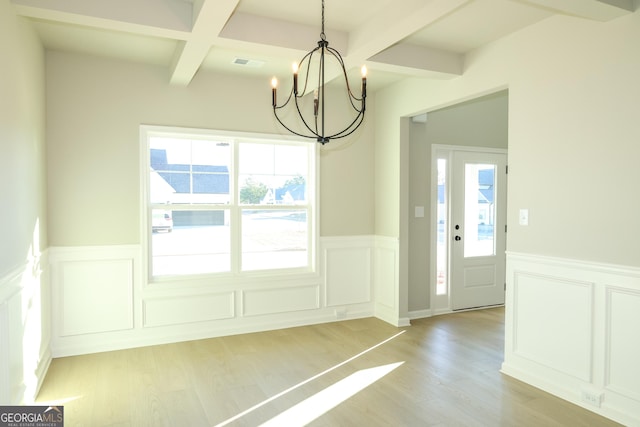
<point x="220" y="203"/>
<point x="442" y="215"/>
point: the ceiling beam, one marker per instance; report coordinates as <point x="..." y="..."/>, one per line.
<point x="397" y="21"/>
<point x="597" y="10"/>
<point x="418" y="61"/>
<point x="210" y="17"/>
<point x="260" y="30"/>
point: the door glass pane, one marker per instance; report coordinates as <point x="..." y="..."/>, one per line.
<point x="479" y="210"/>
<point x="441" y="255"/>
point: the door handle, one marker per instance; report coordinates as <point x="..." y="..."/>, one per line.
<point x="457" y="238"/>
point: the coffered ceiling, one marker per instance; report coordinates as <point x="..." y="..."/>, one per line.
<point x="394" y="38"/>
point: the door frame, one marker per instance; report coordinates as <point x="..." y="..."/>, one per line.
<point x="441" y="304"/>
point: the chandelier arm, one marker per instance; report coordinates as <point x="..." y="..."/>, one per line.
<point x="308" y="57"/>
<point x="314" y="136"/>
<point x="315" y="133"/>
<point x="338" y="57"/>
<point x="285" y="102"/>
<point x="349" y="129"/>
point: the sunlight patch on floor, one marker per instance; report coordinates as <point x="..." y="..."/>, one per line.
<point x="323" y="401"/>
<point x="308" y="380"/>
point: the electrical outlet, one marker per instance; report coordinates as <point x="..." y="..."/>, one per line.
<point x="592" y="397"/>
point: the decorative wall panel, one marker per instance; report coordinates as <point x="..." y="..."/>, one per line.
<point x="348" y="281"/>
<point x="189" y="309"/>
<point x="553" y="319"/>
<point x="257" y="302"/>
<point x="96" y="296"/>
<point x="623" y="342"/>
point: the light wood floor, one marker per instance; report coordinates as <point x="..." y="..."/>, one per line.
<point x="441" y="371"/>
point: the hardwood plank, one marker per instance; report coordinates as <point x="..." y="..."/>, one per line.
<point x="447" y="374"/>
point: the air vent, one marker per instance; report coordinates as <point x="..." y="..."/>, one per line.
<point x="251" y="63"/>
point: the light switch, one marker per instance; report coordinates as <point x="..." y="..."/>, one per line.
<point x="419" y="212"/>
<point x="524" y="217"/>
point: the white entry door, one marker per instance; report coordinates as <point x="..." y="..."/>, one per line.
<point x="477" y="229"/>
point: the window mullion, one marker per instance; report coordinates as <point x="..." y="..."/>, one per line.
<point x="236" y="213"/>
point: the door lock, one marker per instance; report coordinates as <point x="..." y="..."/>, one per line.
<point x="457" y="238"/>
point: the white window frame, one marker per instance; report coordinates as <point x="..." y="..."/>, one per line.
<point x="235" y="208"/>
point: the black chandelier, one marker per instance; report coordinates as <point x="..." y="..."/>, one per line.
<point x="316" y="124"/>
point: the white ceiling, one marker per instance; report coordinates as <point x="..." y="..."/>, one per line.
<point x="395" y="38"/>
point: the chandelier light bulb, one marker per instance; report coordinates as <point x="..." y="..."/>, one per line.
<point x="274" y="86"/>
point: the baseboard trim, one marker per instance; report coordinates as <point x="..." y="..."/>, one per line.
<point x="420" y="314"/>
<point x="121" y="340"/>
<point x="563" y="393"/>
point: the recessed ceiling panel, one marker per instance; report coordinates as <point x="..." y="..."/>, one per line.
<point x="478" y="23"/>
<point x="100" y="42"/>
<point x="339" y="14"/>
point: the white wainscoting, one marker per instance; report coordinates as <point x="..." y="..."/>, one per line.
<point x="24" y="331"/>
<point x="386" y="281"/>
<point x="572" y="330"/>
<point x="100" y="302"/>
<point x="347" y="270"/>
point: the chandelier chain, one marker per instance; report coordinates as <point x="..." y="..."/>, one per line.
<point x="322" y="35"/>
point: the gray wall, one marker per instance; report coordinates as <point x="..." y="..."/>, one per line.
<point x="94" y="109"/>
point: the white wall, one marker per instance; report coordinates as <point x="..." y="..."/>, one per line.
<point x="574" y="99"/>
<point x="24" y="290"/>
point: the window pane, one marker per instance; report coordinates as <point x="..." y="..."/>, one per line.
<point x="479" y="210"/>
<point x="274" y="239"/>
<point x="273" y="174"/>
<point x="197" y="242"/>
<point x="442" y="249"/>
<point x="189" y="171"/>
